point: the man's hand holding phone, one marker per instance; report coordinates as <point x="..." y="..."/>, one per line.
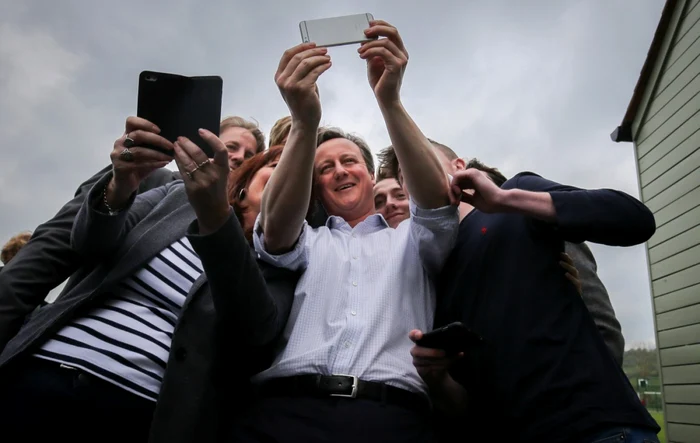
<point x="432" y="364"/>
<point x="433" y="367"/>
<point x="297" y="73"/>
<point x="387" y="59"/>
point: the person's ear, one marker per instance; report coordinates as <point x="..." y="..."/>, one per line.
<point x="459" y="164"/>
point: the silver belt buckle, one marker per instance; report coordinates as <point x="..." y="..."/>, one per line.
<point x="353" y="393"/>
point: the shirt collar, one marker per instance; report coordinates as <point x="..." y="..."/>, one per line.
<point x="373" y="221"/>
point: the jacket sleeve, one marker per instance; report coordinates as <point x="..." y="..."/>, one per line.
<point x="97" y="234"/>
<point x="601" y="216"/>
<point x="596" y="299"/>
<point x="47" y="260"/>
<point x="252" y="304"/>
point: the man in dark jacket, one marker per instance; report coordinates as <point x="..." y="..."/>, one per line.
<point x="593" y="291"/>
<point x="540" y="365"/>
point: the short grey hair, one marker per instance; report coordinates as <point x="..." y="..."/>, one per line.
<point x="330" y="133"/>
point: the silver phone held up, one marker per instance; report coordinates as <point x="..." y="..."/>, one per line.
<point x="336" y="31"/>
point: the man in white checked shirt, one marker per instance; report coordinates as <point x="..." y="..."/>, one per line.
<point x="343" y="371"/>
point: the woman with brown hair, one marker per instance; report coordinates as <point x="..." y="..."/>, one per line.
<point x="246" y="186"/>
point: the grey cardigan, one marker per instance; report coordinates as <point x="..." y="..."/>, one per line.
<point x="596" y="299"/>
<point x="233" y="311"/>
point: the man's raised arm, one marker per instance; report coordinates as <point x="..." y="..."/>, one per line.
<point x="286" y="197"/>
<point x="387" y="58"/>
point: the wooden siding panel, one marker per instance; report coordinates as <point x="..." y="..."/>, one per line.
<point x="677" y="226"/>
<point x="683" y="355"/>
<point x="689" y="315"/>
<point x="672" y="176"/>
<point x="682" y="375"/>
<point x="681" y="91"/>
<point x="669" y="153"/>
<point x="675" y="68"/>
<point x="659" y="65"/>
<point x="673" y="246"/>
<point x="677" y="208"/>
<point x="686" y="36"/>
<point x="678" y="185"/>
<point x="689" y="414"/>
<point x="678" y="299"/>
<point x="682" y="394"/>
<point x="676" y="263"/>
<point x="687" y="335"/>
<point x="682" y="433"/>
<point x="682" y="121"/>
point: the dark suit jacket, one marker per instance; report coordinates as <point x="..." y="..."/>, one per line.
<point x="47" y="260"/>
<point x="235" y="306"/>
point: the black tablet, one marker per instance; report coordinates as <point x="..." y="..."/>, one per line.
<point x="181" y="105"/>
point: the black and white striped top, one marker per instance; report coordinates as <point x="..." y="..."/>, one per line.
<point x="126" y="339"/>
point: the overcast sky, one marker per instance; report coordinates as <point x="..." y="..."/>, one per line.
<point x="536" y="85"/>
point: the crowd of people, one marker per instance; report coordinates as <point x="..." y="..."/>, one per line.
<point x="278" y="292"/>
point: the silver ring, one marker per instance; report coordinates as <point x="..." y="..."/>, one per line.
<point x="127" y="155"/>
<point x="128" y="142"/>
<point x="205" y="162"/>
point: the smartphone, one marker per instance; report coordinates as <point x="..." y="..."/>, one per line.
<point x="180" y="105"/>
<point x="453" y="338"/>
<point x="336" y="31"/>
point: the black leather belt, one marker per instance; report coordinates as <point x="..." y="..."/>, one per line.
<point x="347" y="386"/>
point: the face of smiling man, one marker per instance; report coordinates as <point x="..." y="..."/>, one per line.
<point x="343" y="182"/>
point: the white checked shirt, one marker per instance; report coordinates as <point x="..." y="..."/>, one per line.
<point x="362" y="291"/>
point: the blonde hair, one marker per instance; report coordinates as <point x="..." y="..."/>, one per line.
<point x="280" y="131"/>
<point x="240" y="122"/>
<point x="13" y="246"/>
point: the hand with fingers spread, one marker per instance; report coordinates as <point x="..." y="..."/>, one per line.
<point x="386" y="61"/>
<point x="572" y="274"/>
<point x="296" y="78"/>
<point x="131" y="162"/>
<point x="205" y="180"/>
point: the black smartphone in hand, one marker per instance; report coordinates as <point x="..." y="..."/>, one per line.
<point x="453" y="338"/>
<point x="180" y="105"/>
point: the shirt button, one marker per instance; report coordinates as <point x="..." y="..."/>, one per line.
<point x="353" y="312"/>
<point x="347" y="344"/>
<point x="354" y="283"/>
<point x="352" y="235"/>
<point x="354" y="257"/>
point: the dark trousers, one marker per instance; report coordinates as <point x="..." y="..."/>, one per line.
<point x="332" y="419"/>
<point x="41" y="401"/>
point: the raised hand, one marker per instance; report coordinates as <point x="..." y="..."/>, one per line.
<point x="386" y="61"/>
<point x="296" y="78"/>
<point x="131" y="162"/>
<point x="486" y="196"/>
<point x="205" y="180"/>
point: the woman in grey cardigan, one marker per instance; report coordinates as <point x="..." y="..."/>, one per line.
<point x="157" y="340"/>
